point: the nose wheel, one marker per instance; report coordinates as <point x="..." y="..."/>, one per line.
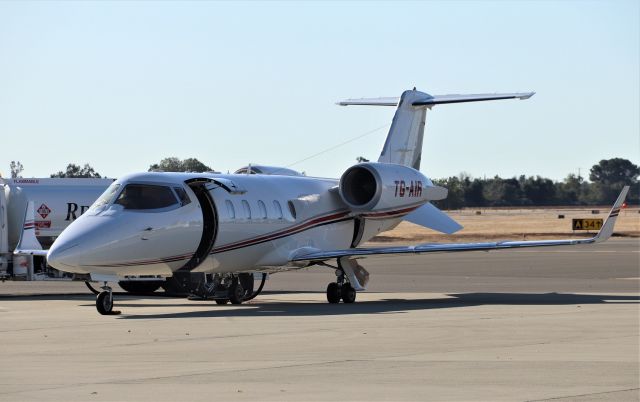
<point x="104" y="301"/>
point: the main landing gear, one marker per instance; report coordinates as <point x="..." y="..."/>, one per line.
<point x="104" y="301"/>
<point x="340" y="290"/>
<point x="225" y="288"/>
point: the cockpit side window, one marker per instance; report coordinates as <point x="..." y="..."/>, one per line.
<point x="182" y="196"/>
<point x="146" y="196"/>
<point x="106" y="197"/>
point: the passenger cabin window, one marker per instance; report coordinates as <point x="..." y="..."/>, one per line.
<point x="247" y="209"/>
<point x="263" y="209"/>
<point x="146" y="196"/>
<point x="278" y="208"/>
<point x="182" y="196"/>
<point x="230" y="209"/>
<point x="292" y="209"/>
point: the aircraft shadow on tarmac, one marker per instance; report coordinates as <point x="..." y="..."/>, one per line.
<point x="301" y="308"/>
<point x="384" y="306"/>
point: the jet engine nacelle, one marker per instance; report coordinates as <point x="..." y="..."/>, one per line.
<point x="380" y="186"/>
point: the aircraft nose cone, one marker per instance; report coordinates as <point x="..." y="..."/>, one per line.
<point x="64" y="257"/>
<point x="74" y="248"/>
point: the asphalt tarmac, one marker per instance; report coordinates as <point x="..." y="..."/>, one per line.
<point x="545" y="324"/>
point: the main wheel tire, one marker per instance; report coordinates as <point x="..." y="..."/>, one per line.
<point x="222" y="301"/>
<point x="236" y="293"/>
<point x="348" y="293"/>
<point x="104" y="303"/>
<point x="333" y="293"/>
<point x="140" y="286"/>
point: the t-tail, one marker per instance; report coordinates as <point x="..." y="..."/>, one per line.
<point x="403" y="145"/>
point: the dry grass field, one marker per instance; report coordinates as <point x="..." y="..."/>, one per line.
<point x="514" y="224"/>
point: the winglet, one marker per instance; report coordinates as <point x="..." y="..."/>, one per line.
<point x="607" y="229"/>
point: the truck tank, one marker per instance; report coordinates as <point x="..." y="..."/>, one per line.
<point x="57" y="203"/>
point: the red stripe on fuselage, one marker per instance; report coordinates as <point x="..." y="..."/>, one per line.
<point x="333" y="217"/>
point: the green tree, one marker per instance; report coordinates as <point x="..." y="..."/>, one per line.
<point x="76" y="171"/>
<point x="16" y="169"/>
<point x="610" y="175"/>
<point x="502" y="192"/>
<point x="571" y="191"/>
<point x="615" y="170"/>
<point x="194" y="165"/>
<point x="538" y="191"/>
<point x="474" y="193"/>
<point x="173" y="164"/>
<point x="455" y="197"/>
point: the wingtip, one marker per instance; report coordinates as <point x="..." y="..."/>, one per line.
<point x="607" y="228"/>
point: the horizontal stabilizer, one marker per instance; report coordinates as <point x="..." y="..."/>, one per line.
<point x="389" y="101"/>
<point x="431" y="217"/>
<point x="430" y="100"/>
<point x="444" y="99"/>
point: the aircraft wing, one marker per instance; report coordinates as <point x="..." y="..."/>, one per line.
<point x="604" y="234"/>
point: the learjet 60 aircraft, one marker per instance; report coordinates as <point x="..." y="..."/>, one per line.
<point x="210" y="231"/>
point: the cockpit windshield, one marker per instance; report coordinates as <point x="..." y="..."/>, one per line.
<point x="106" y="197"/>
<point x="146" y="196"/>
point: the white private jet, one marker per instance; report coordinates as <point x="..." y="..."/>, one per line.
<point x="207" y="230"/>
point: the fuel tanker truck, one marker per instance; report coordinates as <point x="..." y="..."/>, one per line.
<point x="48" y="206"/>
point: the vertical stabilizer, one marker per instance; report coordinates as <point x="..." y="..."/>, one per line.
<point x="404" y="141"/>
<point x="403" y="145"/>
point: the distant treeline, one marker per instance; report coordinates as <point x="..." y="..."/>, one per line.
<point x="606" y="180"/>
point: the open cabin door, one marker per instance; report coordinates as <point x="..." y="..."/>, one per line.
<point x="202" y="188"/>
<point x="209" y="225"/>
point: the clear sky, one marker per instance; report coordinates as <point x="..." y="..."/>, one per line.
<point x="120" y="85"/>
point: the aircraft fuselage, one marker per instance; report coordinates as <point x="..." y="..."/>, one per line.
<point x="230" y="223"/>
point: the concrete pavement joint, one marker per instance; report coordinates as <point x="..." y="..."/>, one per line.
<point x="583" y="395"/>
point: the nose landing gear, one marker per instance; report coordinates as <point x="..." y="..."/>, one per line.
<point x="104" y="301"/>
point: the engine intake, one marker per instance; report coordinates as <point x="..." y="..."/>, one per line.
<point x="359" y="186"/>
<point x="383" y="186"/>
